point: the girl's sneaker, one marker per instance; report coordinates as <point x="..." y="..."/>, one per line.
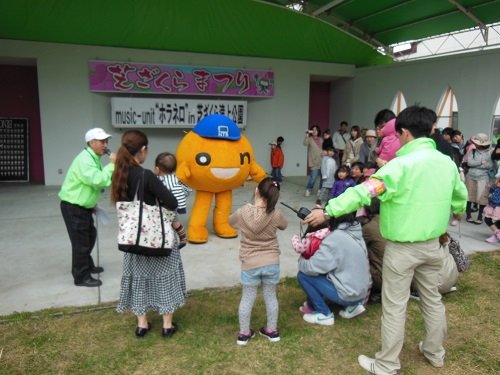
<point x="244" y="338"/>
<point x="273" y="336"/>
<point x="492" y="239"/>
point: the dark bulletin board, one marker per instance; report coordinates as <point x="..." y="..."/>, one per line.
<point x="14" y="157"/>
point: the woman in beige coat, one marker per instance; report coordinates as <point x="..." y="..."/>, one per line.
<point x="353" y="147"/>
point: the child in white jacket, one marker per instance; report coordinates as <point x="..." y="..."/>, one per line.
<point x="328" y="169"/>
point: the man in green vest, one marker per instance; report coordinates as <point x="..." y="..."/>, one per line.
<point x="80" y="192"/>
<point x="417" y="191"/>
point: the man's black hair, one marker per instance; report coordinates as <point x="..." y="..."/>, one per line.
<point x="448" y="131"/>
<point x="358" y="164"/>
<point x="417" y="120"/>
<point x="383" y="116"/>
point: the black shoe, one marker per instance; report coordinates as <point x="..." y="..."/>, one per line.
<point x="273" y="336"/>
<point x="169" y="332"/>
<point x="90" y="282"/>
<point x="243" y="338"/>
<point x="375" y="297"/>
<point x="97" y="270"/>
<point x="141" y="332"/>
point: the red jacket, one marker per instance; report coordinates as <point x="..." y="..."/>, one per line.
<point x="277" y="158"/>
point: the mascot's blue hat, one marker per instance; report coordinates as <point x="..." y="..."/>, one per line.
<point x="217" y="126"/>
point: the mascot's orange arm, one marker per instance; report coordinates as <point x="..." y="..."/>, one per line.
<point x="256" y="171"/>
<point x="182" y="172"/>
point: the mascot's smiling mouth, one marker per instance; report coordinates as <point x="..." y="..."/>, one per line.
<point x="224" y="172"/>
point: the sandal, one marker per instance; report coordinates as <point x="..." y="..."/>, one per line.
<point x="470" y="220"/>
<point x="478" y="221"/>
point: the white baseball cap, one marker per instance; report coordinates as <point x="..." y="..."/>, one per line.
<point x="96" y="133"/>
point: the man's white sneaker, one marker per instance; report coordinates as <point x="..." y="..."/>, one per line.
<point x="308" y="193"/>
<point x="435" y="364"/>
<point x="319" y="318"/>
<point x="352" y="311"/>
<point x="369" y="365"/>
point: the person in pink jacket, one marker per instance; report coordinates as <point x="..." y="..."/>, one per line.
<point x="389" y="145"/>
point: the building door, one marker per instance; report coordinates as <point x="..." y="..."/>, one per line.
<point x="21" y="155"/>
<point x="319" y="105"/>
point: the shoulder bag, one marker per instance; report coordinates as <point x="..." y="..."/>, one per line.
<point x="145" y="229"/>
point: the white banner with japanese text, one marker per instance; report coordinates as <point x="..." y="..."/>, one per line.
<point x="172" y="113"/>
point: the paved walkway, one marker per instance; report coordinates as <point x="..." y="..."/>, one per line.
<point x="36" y="256"/>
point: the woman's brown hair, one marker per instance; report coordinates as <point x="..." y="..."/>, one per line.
<point x="132" y="143"/>
<point x="357" y="129"/>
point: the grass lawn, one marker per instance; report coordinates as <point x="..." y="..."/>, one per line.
<point x="103" y="342"/>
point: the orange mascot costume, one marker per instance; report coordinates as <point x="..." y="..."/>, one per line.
<point x="214" y="158"/>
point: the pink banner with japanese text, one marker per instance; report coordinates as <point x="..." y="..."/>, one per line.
<point x="130" y="77"/>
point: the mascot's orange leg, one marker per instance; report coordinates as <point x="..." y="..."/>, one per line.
<point x="197" y="231"/>
<point x="222" y="210"/>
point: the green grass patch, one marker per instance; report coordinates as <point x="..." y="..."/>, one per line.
<point x="100" y="341"/>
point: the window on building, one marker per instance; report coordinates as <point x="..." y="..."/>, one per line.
<point x="447" y="110"/>
<point x="495" y="126"/>
<point x="398" y="103"/>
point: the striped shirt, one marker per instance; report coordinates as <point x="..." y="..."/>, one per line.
<point x="178" y="189"/>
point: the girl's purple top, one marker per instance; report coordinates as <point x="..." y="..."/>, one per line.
<point x="339" y="186"/>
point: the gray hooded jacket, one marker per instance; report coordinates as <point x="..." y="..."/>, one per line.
<point x="343" y="257"/>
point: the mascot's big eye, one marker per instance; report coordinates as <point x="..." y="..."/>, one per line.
<point x="203" y="158"/>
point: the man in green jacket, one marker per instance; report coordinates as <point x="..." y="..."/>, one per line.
<point x="417" y="190"/>
<point x="79" y="194"/>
